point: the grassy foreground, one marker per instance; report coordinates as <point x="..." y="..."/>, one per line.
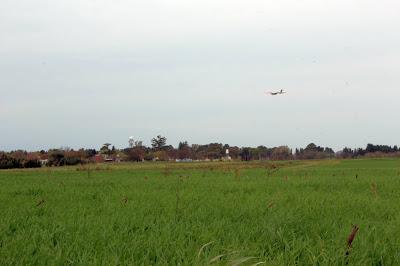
<point x="281" y="213"/>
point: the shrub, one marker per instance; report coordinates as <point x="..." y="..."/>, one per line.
<point x="31" y="163"/>
<point x="8" y="162"/>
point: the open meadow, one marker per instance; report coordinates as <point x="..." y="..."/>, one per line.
<point x="235" y="213"/>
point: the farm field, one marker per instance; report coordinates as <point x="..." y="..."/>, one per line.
<point x="222" y="213"/>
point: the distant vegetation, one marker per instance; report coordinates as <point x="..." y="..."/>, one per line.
<point x="161" y="151"/>
<point x="12" y="160"/>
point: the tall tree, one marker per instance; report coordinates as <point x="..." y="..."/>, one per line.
<point x="184" y="151"/>
<point x="105" y="149"/>
<point x="159" y="142"/>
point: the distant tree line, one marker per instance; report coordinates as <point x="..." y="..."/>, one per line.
<point x="370" y="151"/>
<point x="9" y="161"/>
<point x="161" y="151"/>
<point x="313" y="151"/>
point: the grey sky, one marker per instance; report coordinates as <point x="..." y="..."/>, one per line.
<point x="80" y="73"/>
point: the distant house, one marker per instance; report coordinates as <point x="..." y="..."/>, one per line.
<point x="109" y="160"/>
<point x="44" y="162"/>
<point x="187" y="160"/>
<point x="104" y="158"/>
<point x="98" y="158"/>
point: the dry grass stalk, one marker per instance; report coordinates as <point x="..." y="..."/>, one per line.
<point x="124" y="200"/>
<point x="40" y="203"/>
<point x="167" y="171"/>
<point x="241" y="261"/>
<point x="178" y="199"/>
<point x="216" y="259"/>
<point x="202" y="248"/>
<point x="237" y="173"/>
<point x="272" y="170"/>
<point x="374" y="189"/>
<point x="259" y="263"/>
<point x="88" y="171"/>
<point x="270" y="205"/>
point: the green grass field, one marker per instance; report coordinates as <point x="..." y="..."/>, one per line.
<point x="281" y="213"/>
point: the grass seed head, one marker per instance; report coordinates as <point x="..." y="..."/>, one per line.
<point x="237" y="173"/>
<point x="350" y="240"/>
<point x="352" y="235"/>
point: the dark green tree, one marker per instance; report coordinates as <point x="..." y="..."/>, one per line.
<point x="158" y="143"/>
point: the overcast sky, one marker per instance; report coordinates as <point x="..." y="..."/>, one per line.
<point x="81" y="73"/>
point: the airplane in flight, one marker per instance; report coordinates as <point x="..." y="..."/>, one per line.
<point x="275" y="93"/>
